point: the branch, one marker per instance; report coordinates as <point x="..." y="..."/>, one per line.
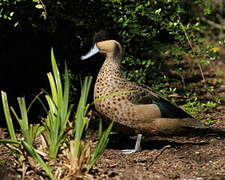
<point x="213" y="24"/>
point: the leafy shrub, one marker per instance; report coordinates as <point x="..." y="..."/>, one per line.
<point x="152" y="33"/>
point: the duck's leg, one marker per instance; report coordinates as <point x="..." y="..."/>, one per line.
<point x="137" y="146"/>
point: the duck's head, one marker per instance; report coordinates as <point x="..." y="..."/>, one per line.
<point x="110" y="48"/>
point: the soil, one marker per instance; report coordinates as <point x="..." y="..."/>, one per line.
<point x="196" y="156"/>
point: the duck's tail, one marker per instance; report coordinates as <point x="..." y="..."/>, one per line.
<point x="191" y="122"/>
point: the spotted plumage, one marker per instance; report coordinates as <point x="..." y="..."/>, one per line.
<point x="133" y="104"/>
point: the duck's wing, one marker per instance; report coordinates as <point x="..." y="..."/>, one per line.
<point x="145" y="95"/>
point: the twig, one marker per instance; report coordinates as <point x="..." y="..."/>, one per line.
<point x="213" y="24"/>
<point x="182" y="79"/>
<point x="190" y="44"/>
<point x="44" y="8"/>
<point x="160" y="153"/>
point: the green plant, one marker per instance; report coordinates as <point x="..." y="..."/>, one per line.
<point x="54" y="135"/>
<point x="80" y="155"/>
<point x="79" y="150"/>
<point x="195" y="107"/>
<point x="28" y="131"/>
<point x="59" y="109"/>
<point x="100" y="148"/>
<point x="8" y="116"/>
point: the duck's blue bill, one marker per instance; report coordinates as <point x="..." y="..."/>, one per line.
<point x="92" y="52"/>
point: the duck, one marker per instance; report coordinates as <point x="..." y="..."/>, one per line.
<point x="132" y="104"/>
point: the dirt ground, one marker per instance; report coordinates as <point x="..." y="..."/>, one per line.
<point x="169" y="158"/>
<point x="198" y="156"/>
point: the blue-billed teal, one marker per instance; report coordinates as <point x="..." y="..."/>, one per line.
<point x="133" y="104"/>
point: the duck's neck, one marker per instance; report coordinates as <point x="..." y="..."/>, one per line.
<point x="111" y="69"/>
<point x="109" y="78"/>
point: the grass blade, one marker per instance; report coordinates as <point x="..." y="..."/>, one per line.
<point x="8" y="116"/>
<point x="100" y="146"/>
<point x="30" y="149"/>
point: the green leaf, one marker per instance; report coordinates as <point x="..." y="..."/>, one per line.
<point x="80" y="122"/>
<point x="39" y="6"/>
<point x="8" y="116"/>
<point x="104" y="139"/>
<point x="30" y="149"/>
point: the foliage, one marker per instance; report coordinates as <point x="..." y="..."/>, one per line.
<point x="195" y="107"/>
<point x="100" y="148"/>
<point x="149" y="30"/>
<point x="8" y="117"/>
<point x="51" y="145"/>
<point x="20" y="11"/>
<point x="28" y="132"/>
<point x="59" y="109"/>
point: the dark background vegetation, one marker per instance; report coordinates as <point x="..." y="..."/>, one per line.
<point x="150" y="31"/>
